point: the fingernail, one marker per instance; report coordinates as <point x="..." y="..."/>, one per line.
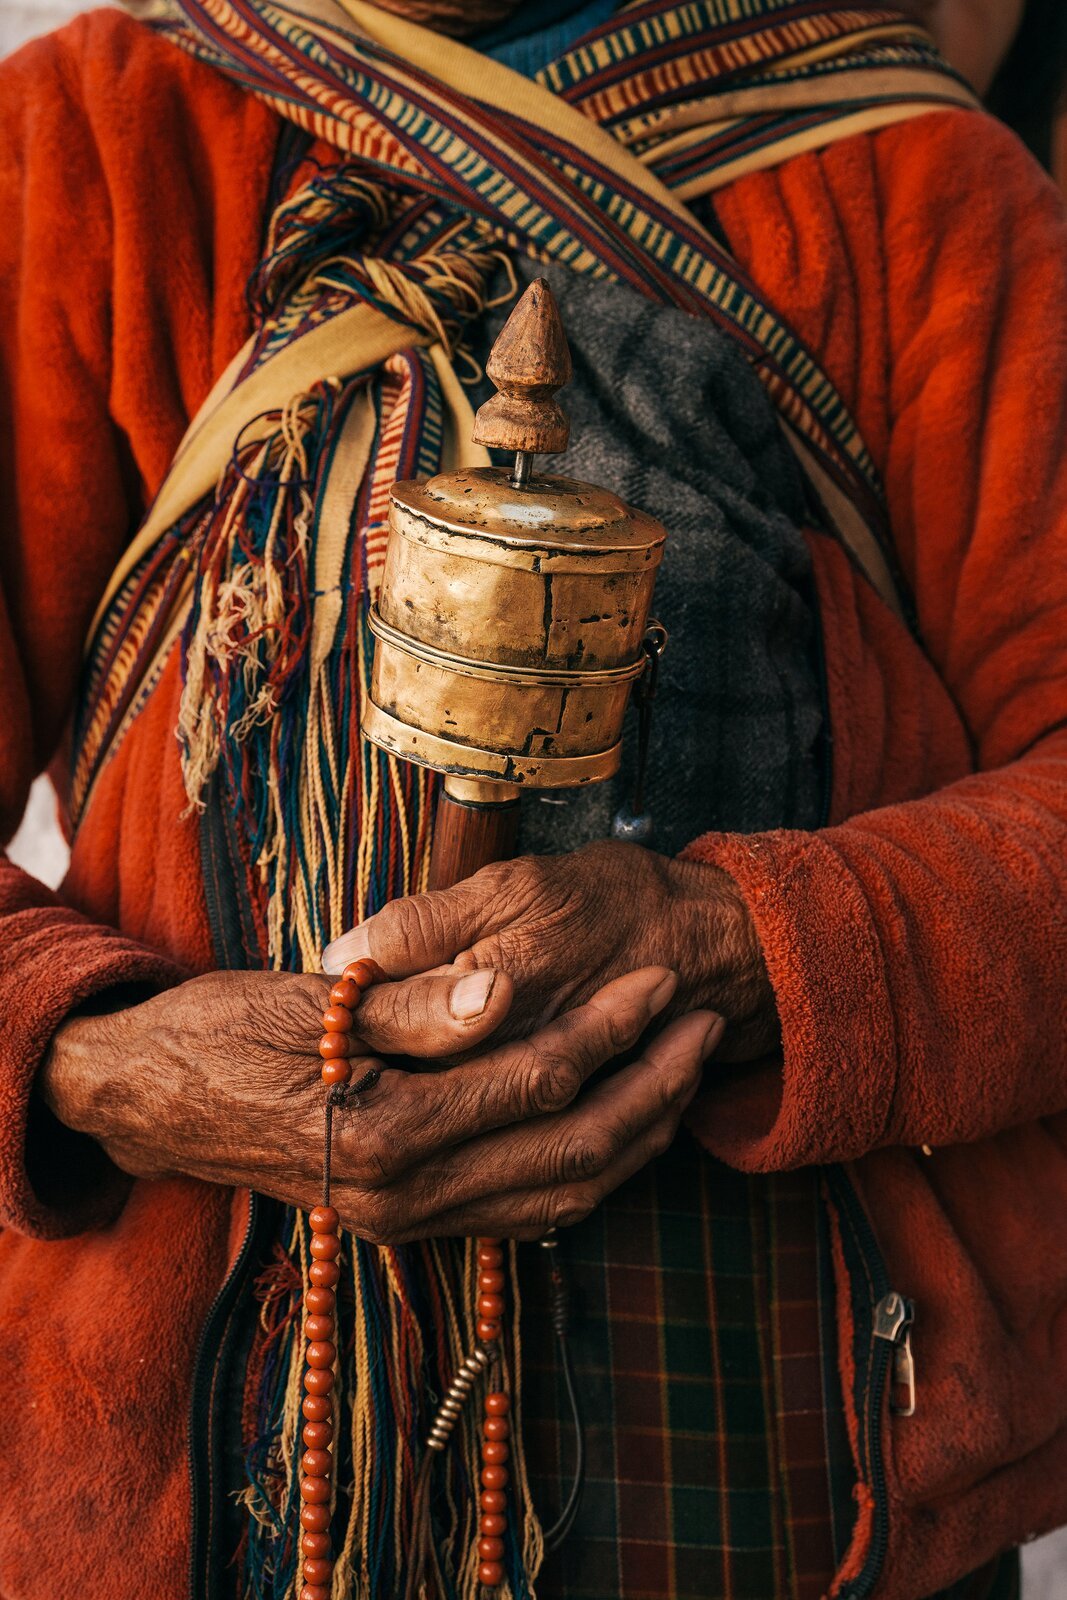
<point x="712" y="1038"/>
<point x="471" y="994"/>
<point x="351" y="946"/>
<point x="662" y="994"/>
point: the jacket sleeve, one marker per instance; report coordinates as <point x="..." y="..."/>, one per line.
<point x="918" y="951"/>
<point x="69" y="495"/>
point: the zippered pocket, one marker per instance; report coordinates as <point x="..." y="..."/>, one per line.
<point x="882" y="1355"/>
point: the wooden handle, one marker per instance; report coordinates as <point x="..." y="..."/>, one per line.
<point x="468" y="835"/>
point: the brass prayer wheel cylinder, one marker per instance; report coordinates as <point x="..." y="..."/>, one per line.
<point x="509" y="627"/>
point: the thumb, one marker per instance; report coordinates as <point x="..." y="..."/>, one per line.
<point x="412" y="936"/>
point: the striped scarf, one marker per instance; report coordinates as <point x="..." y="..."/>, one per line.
<point x="260" y="558"/>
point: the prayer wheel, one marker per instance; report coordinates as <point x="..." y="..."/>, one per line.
<point x="512" y="614"/>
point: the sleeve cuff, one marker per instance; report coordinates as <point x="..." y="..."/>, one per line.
<point x="55" y="1183"/>
<point x="830" y="1095"/>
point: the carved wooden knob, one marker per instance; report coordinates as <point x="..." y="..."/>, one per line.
<point x="528" y="363"/>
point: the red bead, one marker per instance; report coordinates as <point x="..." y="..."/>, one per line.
<point x="491" y="1549"/>
<point x="335" y="1072"/>
<point x="324" y="1274"/>
<point x="317" y="1570"/>
<point x="488" y="1332"/>
<point x="491" y="1306"/>
<point x="491" y="1574"/>
<point x="494" y="1453"/>
<point x="364" y="973"/>
<point x="345" y="993"/>
<point x="316" y="1546"/>
<point x="492" y="1526"/>
<point x="320" y="1302"/>
<point x="316" y="1591"/>
<point x="491" y="1283"/>
<point x="334" y="1046"/>
<point x="494" y="1501"/>
<point x="316" y="1463"/>
<point x="497" y="1405"/>
<point x="319" y="1328"/>
<point x="490" y="1257"/>
<point x="494" y="1478"/>
<point x="324" y="1219"/>
<point x="489" y="1243"/>
<point x="316" y="1519"/>
<point x="325" y="1246"/>
<point x="322" y="1354"/>
<point x="318" y="1380"/>
<point x="318" y="1435"/>
<point x="317" y="1407"/>
<point x="337" y="1019"/>
<point x="316" y="1491"/>
<point x="497" y="1428"/>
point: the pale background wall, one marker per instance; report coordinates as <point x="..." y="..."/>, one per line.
<point x="40" y="849"/>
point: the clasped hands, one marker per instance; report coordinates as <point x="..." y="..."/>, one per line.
<point x="508" y="995"/>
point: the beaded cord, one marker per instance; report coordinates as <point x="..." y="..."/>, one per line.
<point x="317" y="1462"/>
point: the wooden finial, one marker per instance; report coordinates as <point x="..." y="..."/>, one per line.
<point x="528" y="363"/>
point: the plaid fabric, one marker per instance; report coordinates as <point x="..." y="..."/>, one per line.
<point x="714" y="1443"/>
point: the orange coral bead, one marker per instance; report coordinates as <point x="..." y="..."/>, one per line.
<point x="335" y="1072"/>
<point x="316" y="1463"/>
<point x="337" y="1019"/>
<point x="497" y="1405"/>
<point x="493" y="1501"/>
<point x="490" y="1257"/>
<point x="491" y="1574"/>
<point x="491" y="1549"/>
<point x="316" y="1519"/>
<point x="317" y="1407"/>
<point x="492" y="1525"/>
<point x="317" y="1435"/>
<point x="316" y="1491"/>
<point x="319" y="1328"/>
<point x="324" y="1274"/>
<point x="324" y="1219"/>
<point x="495" y="1453"/>
<point x="320" y="1302"/>
<point x="318" y="1570"/>
<point x="497" y="1428"/>
<point x="325" y="1246"/>
<point x="364" y="973"/>
<point x="334" y="1046"/>
<point x="488" y="1332"/>
<point x="316" y="1591"/>
<point x="494" y="1478"/>
<point x="318" y="1380"/>
<point x="322" y="1354"/>
<point x="490" y="1306"/>
<point x="491" y="1283"/>
<point x="316" y="1546"/>
<point x="346" y="993"/>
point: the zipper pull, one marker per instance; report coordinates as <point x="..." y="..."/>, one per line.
<point x="893" y="1318"/>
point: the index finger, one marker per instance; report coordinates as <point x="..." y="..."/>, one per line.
<point x="418" y="1114"/>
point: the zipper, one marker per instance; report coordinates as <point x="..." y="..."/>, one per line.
<point x="202" y="1445"/>
<point x="889" y="1317"/>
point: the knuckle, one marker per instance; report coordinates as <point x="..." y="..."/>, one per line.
<point x="586" y="1155"/>
<point x="552" y="1081"/>
<point x="662" y="1139"/>
<point x="570" y="1206"/>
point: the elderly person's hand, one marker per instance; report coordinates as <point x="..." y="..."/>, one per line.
<point x="219" y="1079"/>
<point x="562" y="926"/>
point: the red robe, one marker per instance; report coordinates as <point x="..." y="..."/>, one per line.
<point x="917" y="946"/>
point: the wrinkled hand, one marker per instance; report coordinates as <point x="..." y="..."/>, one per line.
<point x="562" y="926"/>
<point x="219" y="1079"/>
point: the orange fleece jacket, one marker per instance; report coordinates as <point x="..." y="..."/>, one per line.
<point x="916" y="946"/>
